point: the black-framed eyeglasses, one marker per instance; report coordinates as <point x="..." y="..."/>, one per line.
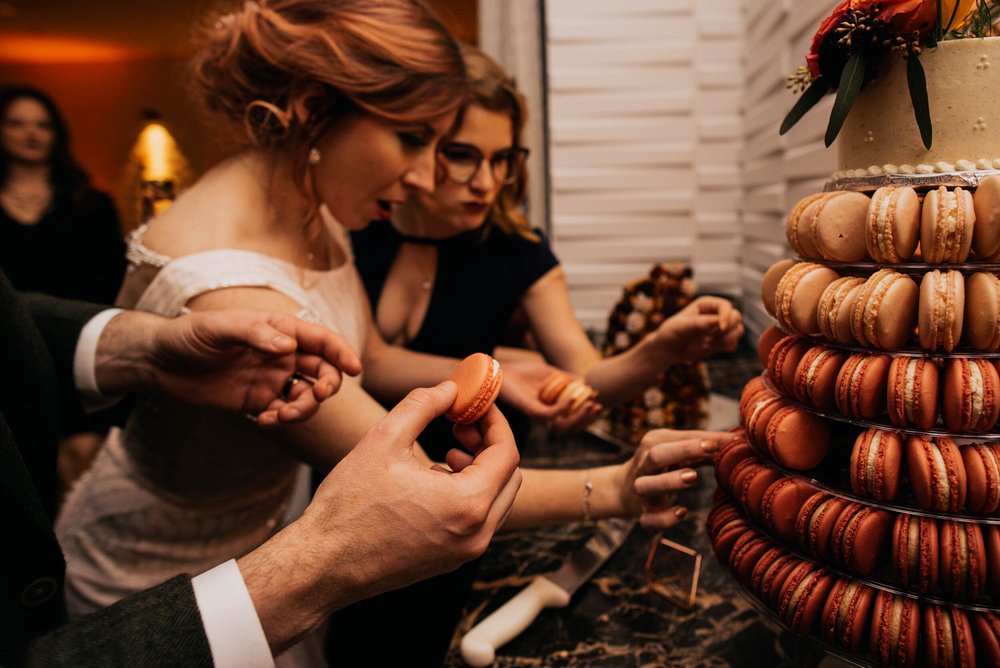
<point x="461" y="162"/>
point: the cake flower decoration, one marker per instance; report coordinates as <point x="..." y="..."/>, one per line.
<point x="853" y="40"/>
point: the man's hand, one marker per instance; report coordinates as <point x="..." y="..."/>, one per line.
<point x="235" y="360"/>
<point x="382" y="519"/>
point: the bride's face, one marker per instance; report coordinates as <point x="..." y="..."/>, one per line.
<point x="366" y="165"/>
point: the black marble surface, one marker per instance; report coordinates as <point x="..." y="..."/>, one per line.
<point x="616" y="619"/>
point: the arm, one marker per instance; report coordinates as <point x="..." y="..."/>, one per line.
<point x="640" y="487"/>
<point x="386" y="519"/>
<point x="706" y="325"/>
<point x="381" y="520"/>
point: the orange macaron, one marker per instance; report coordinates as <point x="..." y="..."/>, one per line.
<point x="478" y="377"/>
<point x="946" y="225"/>
<point x="893" y="224"/>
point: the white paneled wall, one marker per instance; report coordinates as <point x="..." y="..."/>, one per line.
<point x="777" y="171"/>
<point x="645" y="129"/>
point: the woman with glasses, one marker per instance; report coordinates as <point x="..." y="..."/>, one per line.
<point x="449" y="269"/>
<point x="444" y="276"/>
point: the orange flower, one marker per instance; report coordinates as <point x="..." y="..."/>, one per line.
<point x="831" y="22"/>
<point x="905" y="16"/>
<point x="964" y="11"/>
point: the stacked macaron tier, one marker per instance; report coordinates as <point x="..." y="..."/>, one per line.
<point x="898" y="225"/>
<point x="884" y="357"/>
<point x="891" y="624"/>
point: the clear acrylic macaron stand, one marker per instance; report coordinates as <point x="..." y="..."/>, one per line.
<point x="832" y="476"/>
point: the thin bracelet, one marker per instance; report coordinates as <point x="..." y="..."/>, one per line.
<point x="588" y="487"/>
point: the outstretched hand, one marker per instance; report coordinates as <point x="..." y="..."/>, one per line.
<point x="524" y="377"/>
<point x="237" y="360"/>
<point x="651" y="476"/>
<point x="706" y="326"/>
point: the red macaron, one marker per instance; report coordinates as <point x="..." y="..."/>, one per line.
<point x="728" y="457"/>
<point x="765" y="343"/>
<point x="803" y="595"/>
<point x="816" y="377"/>
<point x="912" y="392"/>
<point x="479" y="378"/>
<point x="759" y="417"/>
<point x="781" y="505"/>
<point x="876" y="464"/>
<point x="895" y="639"/>
<point x="746" y="552"/>
<point x="846" y="618"/>
<point x="937" y="473"/>
<point x="861" y="385"/>
<point x="860" y="538"/>
<point x="749" y="485"/>
<point x="784" y="360"/>
<point x="815" y="523"/>
<point x="991" y="537"/>
<point x="770" y="572"/>
<point x="915" y="551"/>
<point x="986" y="633"/>
<point x="948" y="640"/>
<point x="797" y="439"/>
<point x="970" y="400"/>
<point x="982" y="470"/>
<point x="962" y="559"/>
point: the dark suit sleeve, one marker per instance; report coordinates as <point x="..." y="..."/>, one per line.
<point x="157" y="627"/>
<point x="60" y="322"/>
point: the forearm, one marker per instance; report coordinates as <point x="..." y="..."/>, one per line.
<point x="557" y="496"/>
<point x="122" y="363"/>
<point x="391" y="372"/>
<point x="291" y="590"/>
<point x="623" y="376"/>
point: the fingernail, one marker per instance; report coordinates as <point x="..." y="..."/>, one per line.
<point x="709" y="446"/>
<point x="681" y="513"/>
<point x="689" y="476"/>
<point x="282" y="341"/>
<point x="293" y="413"/>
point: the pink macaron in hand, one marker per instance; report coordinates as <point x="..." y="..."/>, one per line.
<point x="478" y="377"/>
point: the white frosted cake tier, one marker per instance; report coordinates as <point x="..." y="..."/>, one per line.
<point x="880" y="135"/>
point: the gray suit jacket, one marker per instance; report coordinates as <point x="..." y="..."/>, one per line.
<point x="158" y="627"/>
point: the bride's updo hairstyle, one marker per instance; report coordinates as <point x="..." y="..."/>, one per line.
<point x="389" y="58"/>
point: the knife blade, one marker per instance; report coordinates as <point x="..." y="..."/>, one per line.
<point x="552" y="590"/>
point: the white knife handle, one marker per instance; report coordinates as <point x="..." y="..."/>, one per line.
<point x="479" y="646"/>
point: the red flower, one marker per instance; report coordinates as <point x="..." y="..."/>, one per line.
<point x="905" y="16"/>
<point x="831" y="22"/>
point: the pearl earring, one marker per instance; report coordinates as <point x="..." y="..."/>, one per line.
<point x="313" y="156"/>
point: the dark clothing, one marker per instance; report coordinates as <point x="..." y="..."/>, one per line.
<point x="161" y="626"/>
<point x="479" y="283"/>
<point x="75" y="251"/>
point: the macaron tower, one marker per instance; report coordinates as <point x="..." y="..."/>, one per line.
<point x="860" y="503"/>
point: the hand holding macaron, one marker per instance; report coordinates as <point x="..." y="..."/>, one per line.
<point x="528" y="386"/>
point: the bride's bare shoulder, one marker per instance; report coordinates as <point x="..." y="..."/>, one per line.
<point x="223" y="209"/>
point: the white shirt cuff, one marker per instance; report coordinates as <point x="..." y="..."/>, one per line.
<point x="85" y="360"/>
<point x="234" y="633"/>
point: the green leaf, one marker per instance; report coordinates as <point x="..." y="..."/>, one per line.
<point x="817" y="89"/>
<point x="918" y="96"/>
<point x="850" y="83"/>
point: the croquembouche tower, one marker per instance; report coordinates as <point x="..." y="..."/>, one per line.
<point x="860" y="502"/>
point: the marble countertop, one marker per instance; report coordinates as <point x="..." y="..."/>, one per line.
<point x="616" y="619"/>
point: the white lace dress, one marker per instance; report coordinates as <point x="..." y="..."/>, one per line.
<point x="181" y="489"/>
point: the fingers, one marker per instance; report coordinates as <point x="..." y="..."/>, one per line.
<point x="665" y="483"/>
<point x="328" y="345"/>
<point x="496" y="457"/>
<point x="504" y="502"/>
<point x="411" y="416"/>
<point x="580" y="418"/>
<point x="457" y="460"/>
<point x="672" y="453"/>
<point x="662" y="518"/>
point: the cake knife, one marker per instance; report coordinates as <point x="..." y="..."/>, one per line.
<point x="552" y="590"/>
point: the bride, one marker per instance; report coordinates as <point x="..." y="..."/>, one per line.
<point x="344" y="103"/>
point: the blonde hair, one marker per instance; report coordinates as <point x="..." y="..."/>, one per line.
<point x="495" y="90"/>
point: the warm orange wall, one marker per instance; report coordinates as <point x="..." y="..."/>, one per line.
<point x="102" y="103"/>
